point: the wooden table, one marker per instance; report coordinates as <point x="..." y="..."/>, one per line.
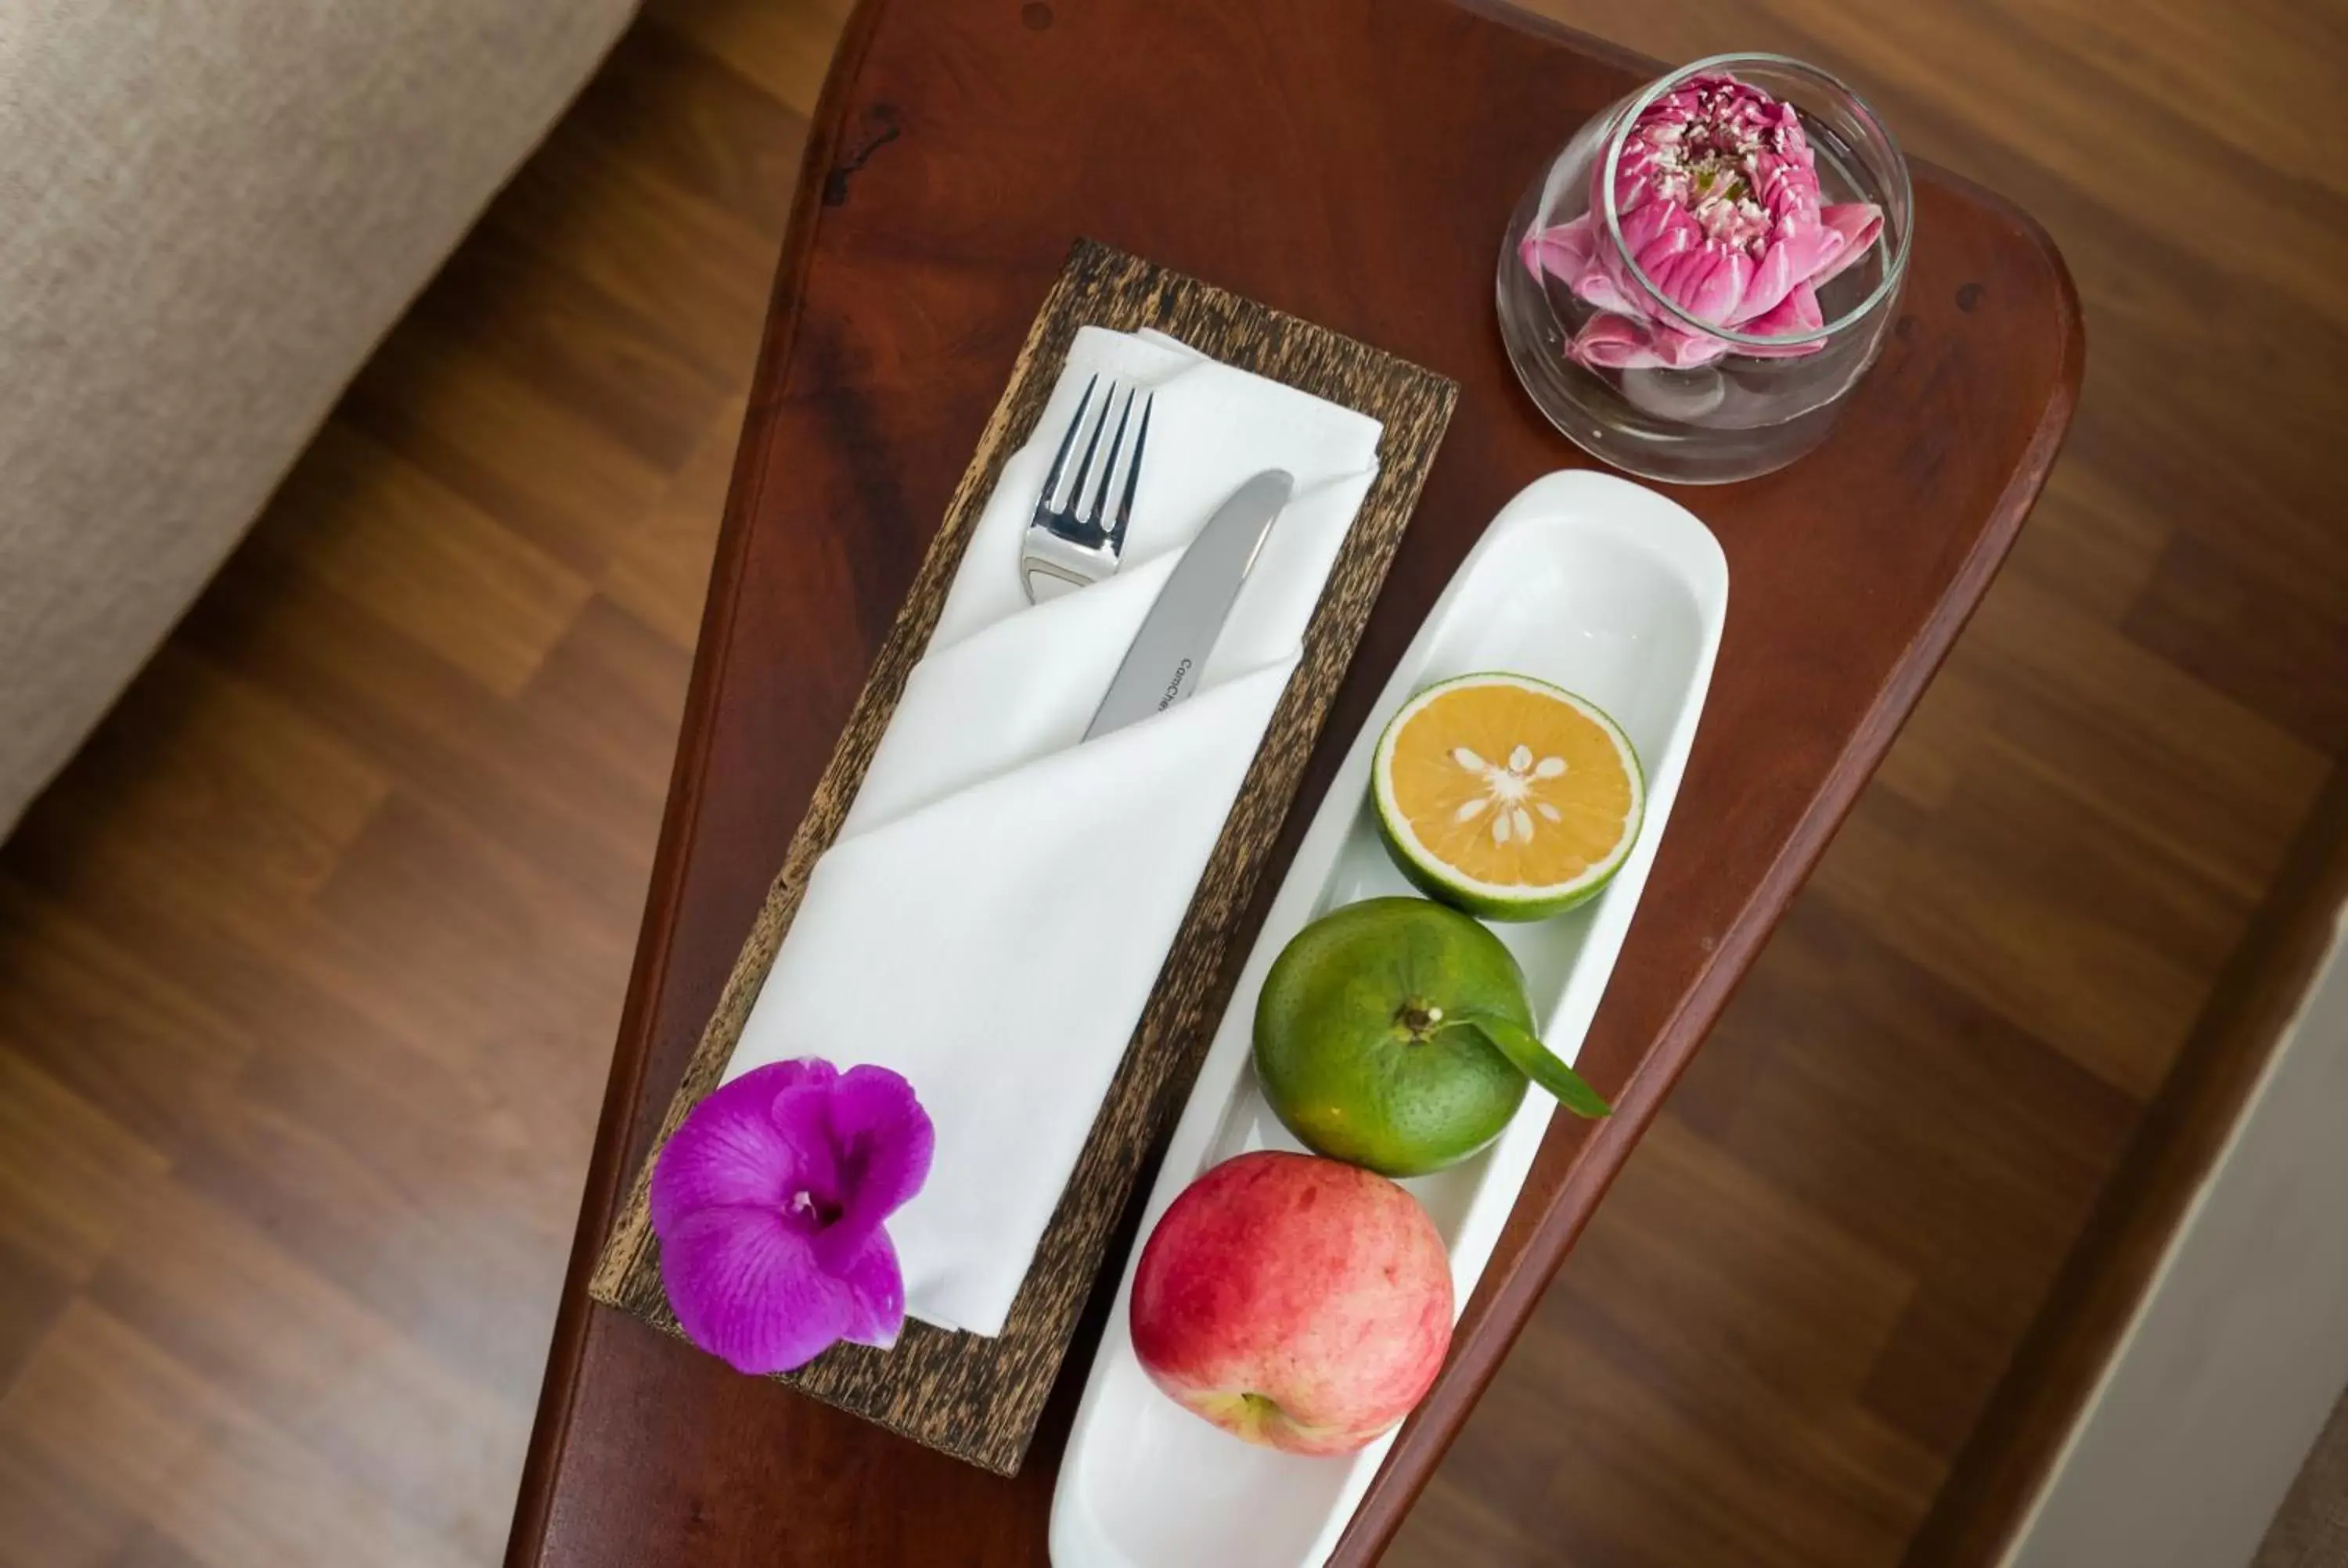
<point x="1351" y="161"/>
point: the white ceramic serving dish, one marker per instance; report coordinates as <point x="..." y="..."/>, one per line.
<point x="1586" y="581"/>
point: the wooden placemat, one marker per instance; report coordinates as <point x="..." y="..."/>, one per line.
<point x="976" y="1398"/>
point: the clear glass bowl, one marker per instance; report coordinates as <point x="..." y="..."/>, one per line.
<point x="1765" y="399"/>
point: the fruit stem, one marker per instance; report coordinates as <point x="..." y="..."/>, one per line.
<point x="1419" y="1019"/>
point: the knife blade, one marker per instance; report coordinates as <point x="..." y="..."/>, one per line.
<point x="1169" y="652"/>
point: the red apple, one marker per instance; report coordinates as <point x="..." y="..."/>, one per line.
<point x="1296" y="1301"/>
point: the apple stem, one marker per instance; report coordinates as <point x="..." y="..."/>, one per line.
<point x="1258" y="1412"/>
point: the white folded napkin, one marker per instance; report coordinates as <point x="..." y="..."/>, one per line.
<point x="994" y="913"/>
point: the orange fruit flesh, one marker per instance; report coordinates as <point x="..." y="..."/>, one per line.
<point x="1513" y="787"/>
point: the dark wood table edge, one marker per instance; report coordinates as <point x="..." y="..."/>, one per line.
<point x="608" y="1165"/>
<point x="1512" y="1289"/>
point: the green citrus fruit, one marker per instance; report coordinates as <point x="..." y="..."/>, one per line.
<point x="1394" y="1034"/>
<point x="1364" y="1040"/>
<point x="1505" y="797"/>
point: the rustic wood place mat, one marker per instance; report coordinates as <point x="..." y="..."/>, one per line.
<point x="975" y="1397"/>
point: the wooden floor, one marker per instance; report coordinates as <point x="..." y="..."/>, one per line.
<point x="310" y="966"/>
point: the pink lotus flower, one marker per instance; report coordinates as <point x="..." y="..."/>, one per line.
<point x="1716" y="195"/>
<point x="768" y="1204"/>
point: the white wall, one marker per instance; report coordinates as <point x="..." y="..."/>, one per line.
<point x="2240" y="1348"/>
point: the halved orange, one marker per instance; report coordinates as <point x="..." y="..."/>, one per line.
<point x="1507" y="796"/>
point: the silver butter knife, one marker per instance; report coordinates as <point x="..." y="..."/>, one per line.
<point x="1169" y="651"/>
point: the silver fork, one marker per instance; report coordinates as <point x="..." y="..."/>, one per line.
<point x="1069" y="544"/>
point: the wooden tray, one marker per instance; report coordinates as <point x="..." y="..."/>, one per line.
<point x="979" y="1398"/>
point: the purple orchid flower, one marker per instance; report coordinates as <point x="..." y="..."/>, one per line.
<point x="768" y="1204"/>
<point x="1716" y="195"/>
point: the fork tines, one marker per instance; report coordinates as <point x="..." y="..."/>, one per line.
<point x="1067" y="514"/>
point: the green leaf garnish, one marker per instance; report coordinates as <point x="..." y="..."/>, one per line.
<point x="1543" y="1066"/>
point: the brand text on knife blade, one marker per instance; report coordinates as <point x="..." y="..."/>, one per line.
<point x="1174" y="686"/>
